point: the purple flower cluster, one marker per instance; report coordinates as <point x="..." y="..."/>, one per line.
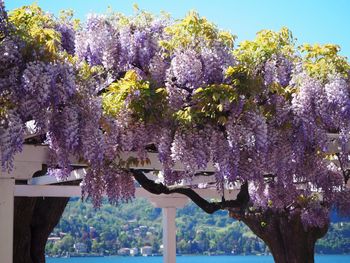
<point x="119" y="46"/>
<point x="278" y="69"/>
<point x="194" y="67"/>
<point x="67" y="37"/>
<point x="11" y="139"/>
<point x="273" y="140"/>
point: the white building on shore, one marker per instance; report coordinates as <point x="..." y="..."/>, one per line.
<point x="146" y="251"/>
<point x="134" y="251"/>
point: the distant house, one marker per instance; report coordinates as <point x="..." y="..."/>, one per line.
<point x="134" y="251"/>
<point x="80" y="247"/>
<point x="124" y="251"/>
<point x="146" y="251"/>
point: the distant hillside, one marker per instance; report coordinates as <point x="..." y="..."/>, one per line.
<point x="83" y="229"/>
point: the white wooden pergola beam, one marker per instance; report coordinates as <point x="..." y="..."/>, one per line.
<point x="27" y="162"/>
<point x="33" y="157"/>
<point x="79" y="174"/>
<point x="75" y="175"/>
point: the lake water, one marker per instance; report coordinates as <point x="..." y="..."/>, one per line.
<point x="194" y="259"/>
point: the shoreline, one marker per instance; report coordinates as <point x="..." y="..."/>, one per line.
<point x="180" y="255"/>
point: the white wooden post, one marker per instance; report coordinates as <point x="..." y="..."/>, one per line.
<point x="169" y="205"/>
<point x="169" y="235"/>
<point x="6" y="218"/>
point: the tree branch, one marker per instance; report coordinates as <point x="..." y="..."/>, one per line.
<point x="240" y="202"/>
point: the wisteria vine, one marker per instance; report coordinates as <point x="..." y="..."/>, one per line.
<point x="260" y="113"/>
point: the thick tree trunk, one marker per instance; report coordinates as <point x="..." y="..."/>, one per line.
<point x="34" y="220"/>
<point x="43" y="223"/>
<point x="285" y="235"/>
<point x="24" y="207"/>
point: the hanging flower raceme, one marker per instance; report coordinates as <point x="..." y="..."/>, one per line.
<point x="260" y="113"/>
<point x="41" y="83"/>
<point x="259" y="117"/>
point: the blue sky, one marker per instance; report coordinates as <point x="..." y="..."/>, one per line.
<point x="311" y="21"/>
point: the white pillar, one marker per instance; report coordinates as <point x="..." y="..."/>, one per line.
<point x="6" y="218"/>
<point x="169" y="235"/>
<point x="169" y="203"/>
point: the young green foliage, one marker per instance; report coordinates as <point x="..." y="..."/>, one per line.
<point x="208" y="105"/>
<point x="267" y="43"/>
<point x="37" y="29"/>
<point x="136" y="96"/>
<point x="67" y="17"/>
<point x="191" y="30"/>
<point x="321" y="61"/>
<point x="252" y="56"/>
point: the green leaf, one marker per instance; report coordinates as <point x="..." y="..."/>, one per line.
<point x="160" y="90"/>
<point x="220" y="107"/>
<point x="199" y="90"/>
<point x="216" y="96"/>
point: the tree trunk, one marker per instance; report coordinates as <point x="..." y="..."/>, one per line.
<point x="285" y="235"/>
<point x="34" y="220"/>
<point x="43" y="223"/>
<point x="24" y="207"/>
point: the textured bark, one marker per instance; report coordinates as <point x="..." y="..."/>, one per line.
<point x="35" y="218"/>
<point x="47" y="213"/>
<point x="285" y="235"/>
<point x="24" y="207"/>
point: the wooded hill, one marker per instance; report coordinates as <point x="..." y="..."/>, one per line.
<point x="138" y="224"/>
